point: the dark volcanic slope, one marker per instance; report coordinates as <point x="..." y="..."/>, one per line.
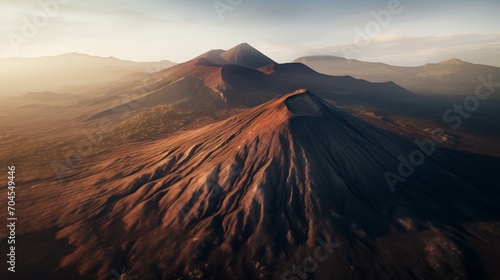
<point x="246" y="55"/>
<point x="448" y="77"/>
<point x="242" y="54"/>
<point x="244" y="77"/>
<point x="248" y="198"/>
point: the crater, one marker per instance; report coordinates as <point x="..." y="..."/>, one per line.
<point x="303" y="104"/>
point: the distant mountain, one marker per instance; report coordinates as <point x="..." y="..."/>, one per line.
<point x="453" y="76"/>
<point x="244" y="77"/>
<point x="56" y="73"/>
<point x="246" y="55"/>
<point x="48" y="97"/>
<point x="242" y="54"/>
<point x="253" y="196"/>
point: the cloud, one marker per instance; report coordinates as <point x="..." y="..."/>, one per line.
<point x="283" y="29"/>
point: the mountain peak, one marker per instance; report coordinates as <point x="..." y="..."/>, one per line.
<point x="303" y="103"/>
<point x="314" y="58"/>
<point x="294" y="107"/>
<point x="265" y="185"/>
<point x="453" y="61"/>
<point x="246" y="55"/>
<point x="244" y="45"/>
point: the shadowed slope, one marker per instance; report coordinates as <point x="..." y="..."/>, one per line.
<point x="263" y="186"/>
<point x="246" y="55"/>
<point x="244" y="77"/>
<point x="452" y="76"/>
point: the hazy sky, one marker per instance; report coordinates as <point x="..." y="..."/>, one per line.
<point x="417" y="32"/>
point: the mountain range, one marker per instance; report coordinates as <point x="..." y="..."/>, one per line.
<point x="452" y="76"/>
<point x="233" y="166"/>
<point x="244" y="77"/>
<point x="250" y="196"/>
<point x="211" y="86"/>
<point x="67" y="71"/>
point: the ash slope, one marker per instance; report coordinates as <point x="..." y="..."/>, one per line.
<point x="243" y="77"/>
<point x="248" y="197"/>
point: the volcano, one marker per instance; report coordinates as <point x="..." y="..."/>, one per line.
<point x="452" y="76"/>
<point x="243" y="77"/>
<point x="242" y="54"/>
<point x="291" y="189"/>
<point x="246" y="55"/>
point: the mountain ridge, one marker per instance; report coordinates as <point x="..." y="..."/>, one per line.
<point x="67" y="71"/>
<point x="242" y="77"/>
<point x="452" y="76"/>
<point x="263" y="185"/>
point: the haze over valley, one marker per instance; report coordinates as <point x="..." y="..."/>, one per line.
<point x="235" y="140"/>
